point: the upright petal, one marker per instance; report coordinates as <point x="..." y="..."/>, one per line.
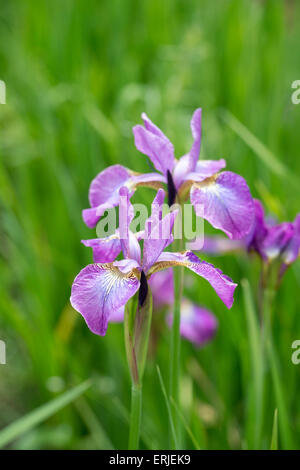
<point x="225" y="201"/>
<point x="222" y="284"/>
<point x="157" y="239"/>
<point x="105" y="250"/>
<point x="99" y="290"/>
<point x="151" y="141"/>
<point x="129" y="243"/>
<point x="197" y="324"/>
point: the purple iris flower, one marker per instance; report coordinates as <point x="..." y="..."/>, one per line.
<point x="102" y="289"/>
<point x="222" y="198"/>
<point x="271" y="241"/>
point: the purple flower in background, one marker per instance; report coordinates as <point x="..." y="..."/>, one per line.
<point x="271" y="241"/>
<point x="223" y="198"/>
<point x="101" y="290"/>
<point x="197" y="324"/>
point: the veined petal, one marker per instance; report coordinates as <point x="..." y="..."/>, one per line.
<point x="105" y="250"/>
<point x="225" y="201"/>
<point x="99" y="290"/>
<point x="222" y="284"/>
<point x="152" y="142"/>
<point x="197" y="324"/>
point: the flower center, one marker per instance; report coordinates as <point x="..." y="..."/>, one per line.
<point x="143" y="291"/>
<point x="171" y="189"/>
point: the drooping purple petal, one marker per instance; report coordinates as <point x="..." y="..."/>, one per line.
<point x="225" y="201"/>
<point x="162" y="288"/>
<point x="105" y="250"/>
<point x="100" y="289"/>
<point x="222" y="284"/>
<point x="197" y="324"/>
<point x="152" y="142"/>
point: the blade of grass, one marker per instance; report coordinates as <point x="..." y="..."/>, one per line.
<point x="266" y="156"/>
<point x="37" y="416"/>
<point x="274" y="440"/>
<point x="93" y="424"/>
<point x="171" y="423"/>
<point x="185" y="424"/>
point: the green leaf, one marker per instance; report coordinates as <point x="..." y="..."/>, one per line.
<point x="37" y="416"/>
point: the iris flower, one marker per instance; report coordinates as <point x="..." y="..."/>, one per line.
<point x="223" y="198"/>
<point x="101" y="290"/>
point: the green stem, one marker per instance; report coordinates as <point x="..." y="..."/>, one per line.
<point x="135" y="417"/>
<point x="175" y="345"/>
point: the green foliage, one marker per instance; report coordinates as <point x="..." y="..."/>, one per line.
<point x="78" y="75"/>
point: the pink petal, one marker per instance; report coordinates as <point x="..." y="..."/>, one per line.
<point x="99" y="290"/>
<point x="225" y="201"/>
<point x="222" y="284"/>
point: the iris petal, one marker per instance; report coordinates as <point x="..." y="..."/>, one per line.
<point x="151" y="141"/>
<point x="225" y="201"/>
<point x="222" y="284"/>
<point x="99" y="290"/>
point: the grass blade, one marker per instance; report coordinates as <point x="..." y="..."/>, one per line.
<point x="171" y="422"/>
<point x="37" y="416"/>
<point x="266" y="156"/>
<point x="274" y="440"/>
<point x="185" y="424"/>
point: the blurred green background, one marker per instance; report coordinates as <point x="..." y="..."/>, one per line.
<point x="78" y="75"/>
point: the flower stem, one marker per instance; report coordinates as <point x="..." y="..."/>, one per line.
<point x="175" y="345"/>
<point x="135" y="417"/>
